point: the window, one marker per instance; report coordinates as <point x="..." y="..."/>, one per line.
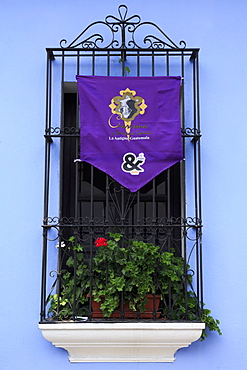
<point x="82" y="201"/>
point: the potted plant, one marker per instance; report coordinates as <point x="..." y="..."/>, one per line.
<point x="125" y="273"/>
<point x="122" y="275"/>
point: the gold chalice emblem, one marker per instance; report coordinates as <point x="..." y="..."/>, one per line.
<point x="127" y="106"/>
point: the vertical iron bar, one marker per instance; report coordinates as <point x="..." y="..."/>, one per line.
<point x="77" y="187"/>
<point x="123" y="232"/>
<point x="76" y="233"/>
<point x="46" y="185"/>
<point x="152" y="63"/>
<point x="153" y="181"/>
<point x="47" y="132"/>
<point x="195" y="145"/>
<point x="168" y="178"/>
<point x="43" y="276"/>
<point x="169" y="234"/>
<point x="167" y="63"/>
<point x="91" y="220"/>
<point x="145" y="218"/>
<point x="108" y="63"/>
<point x="91" y="235"/>
<point x="138" y="64"/>
<point x="195" y="139"/>
<point x="182" y="189"/>
<point x="106" y="220"/>
<point x="77" y="141"/>
<point x="61" y="138"/>
<point x="199" y="185"/>
<point x="61" y="171"/>
<point x="79" y="166"/>
<point x="93" y="63"/>
<point x="183" y="163"/>
<point x="138" y="221"/>
<point x="123" y="62"/>
<point x="168" y="181"/>
<point x="153" y="210"/>
<point x="78" y="63"/>
<point x="122" y="218"/>
<point x="107" y="188"/>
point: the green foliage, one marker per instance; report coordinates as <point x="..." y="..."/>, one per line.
<point x="130" y="271"/>
<point x="210" y="322"/>
<point x="71" y="286"/>
<point x="126" y="69"/>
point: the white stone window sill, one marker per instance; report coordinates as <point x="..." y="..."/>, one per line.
<point x="122" y="342"/>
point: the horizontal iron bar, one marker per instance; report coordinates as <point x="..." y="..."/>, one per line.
<point x="194" y="137"/>
<point x="113" y="320"/>
<point x="143" y="197"/>
<point x="192" y="53"/>
<point x="61" y="135"/>
<point x="121" y="226"/>
<point x="126" y="49"/>
<point x="146" y="54"/>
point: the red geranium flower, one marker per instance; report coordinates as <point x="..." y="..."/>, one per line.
<point x="99" y="242"/>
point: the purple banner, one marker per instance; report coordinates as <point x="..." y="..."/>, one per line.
<point x="130" y="126"/>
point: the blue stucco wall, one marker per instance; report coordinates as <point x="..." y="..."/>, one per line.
<point x="219" y="28"/>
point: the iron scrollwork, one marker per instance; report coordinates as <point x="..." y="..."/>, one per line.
<point x="123" y="32"/>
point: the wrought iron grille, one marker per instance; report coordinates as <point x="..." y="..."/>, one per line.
<point x="81" y="201"/>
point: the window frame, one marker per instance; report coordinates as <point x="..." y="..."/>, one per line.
<point x="57" y="80"/>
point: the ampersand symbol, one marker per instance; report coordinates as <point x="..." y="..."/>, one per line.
<point x="132" y="163"/>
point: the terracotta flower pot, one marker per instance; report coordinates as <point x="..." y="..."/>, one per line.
<point x="128" y="312"/>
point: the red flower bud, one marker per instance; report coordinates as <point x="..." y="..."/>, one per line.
<point x="99" y="242"/>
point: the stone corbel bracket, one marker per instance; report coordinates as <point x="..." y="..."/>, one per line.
<point x="122" y="342"/>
